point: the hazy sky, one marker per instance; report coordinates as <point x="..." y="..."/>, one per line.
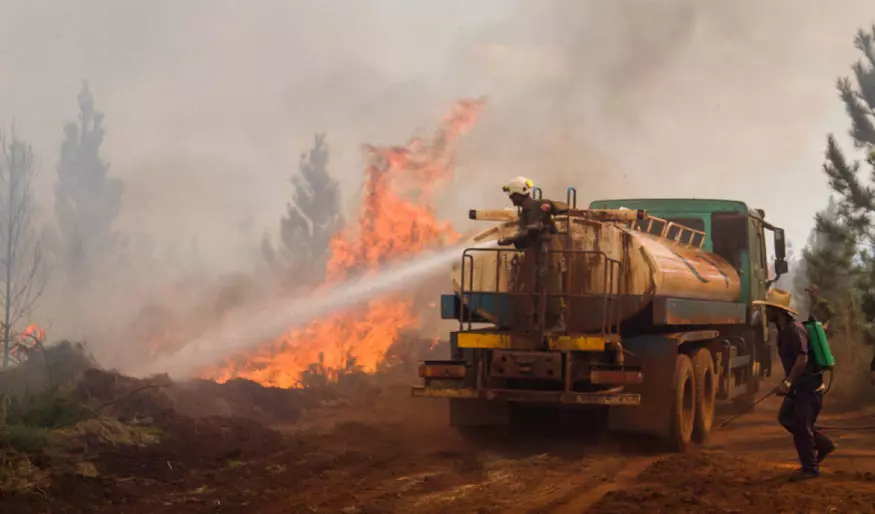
<point x="209" y="102"/>
<point x="623" y="98"/>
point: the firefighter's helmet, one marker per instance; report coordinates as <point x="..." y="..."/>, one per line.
<point x="520" y="186"/>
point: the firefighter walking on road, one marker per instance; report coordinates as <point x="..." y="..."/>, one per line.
<point x="802" y="388"/>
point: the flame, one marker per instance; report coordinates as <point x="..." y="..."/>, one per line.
<point x="396" y="220"/>
<point x="33" y="333"/>
<point x="26" y="341"/>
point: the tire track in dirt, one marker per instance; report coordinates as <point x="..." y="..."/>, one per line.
<point x="624" y="478"/>
<point x="516" y="485"/>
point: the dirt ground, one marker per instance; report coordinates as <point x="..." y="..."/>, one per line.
<point x="292" y="453"/>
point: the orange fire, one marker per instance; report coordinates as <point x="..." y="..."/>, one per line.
<point x="26" y="342"/>
<point x="397" y="220"/>
<point x="33" y="333"/>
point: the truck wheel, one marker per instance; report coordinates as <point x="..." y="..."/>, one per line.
<point x="706" y="394"/>
<point x="683" y="404"/>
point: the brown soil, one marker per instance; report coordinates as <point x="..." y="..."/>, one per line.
<point x="396" y="455"/>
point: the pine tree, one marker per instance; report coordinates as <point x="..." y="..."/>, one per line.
<point x="839" y="257"/>
<point x="311" y="220"/>
<point x="850" y="222"/>
<point x="87" y="199"/>
<point x="830" y="257"/>
<point x="860" y="103"/>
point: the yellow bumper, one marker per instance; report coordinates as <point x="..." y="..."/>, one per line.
<point x="491" y="340"/>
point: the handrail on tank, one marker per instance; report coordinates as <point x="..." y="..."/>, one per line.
<point x="685" y="235"/>
<point x="571" y="198"/>
<point x="611" y="287"/>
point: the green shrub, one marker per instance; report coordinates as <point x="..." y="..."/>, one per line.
<point x="50" y="408"/>
<point x="23" y="438"/>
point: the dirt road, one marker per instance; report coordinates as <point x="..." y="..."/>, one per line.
<point x="396" y="455"/>
<point x="420" y="467"/>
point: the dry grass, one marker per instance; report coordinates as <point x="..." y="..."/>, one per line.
<point x="44" y="427"/>
<point x="111" y="431"/>
<point x="851" y="387"/>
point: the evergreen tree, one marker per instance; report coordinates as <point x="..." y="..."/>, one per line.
<point x="311" y="220"/>
<point x="87" y="199"/>
<point x="839" y="257"/>
<point x="857" y="197"/>
<point x="860" y="103"/>
<point x="830" y="257"/>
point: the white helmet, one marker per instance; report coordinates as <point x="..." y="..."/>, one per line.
<point x="519" y="185"/>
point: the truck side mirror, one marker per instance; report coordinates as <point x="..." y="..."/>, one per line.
<point x="781" y="267"/>
<point x="780" y="246"/>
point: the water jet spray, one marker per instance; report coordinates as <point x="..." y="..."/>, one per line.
<point x="250" y="327"/>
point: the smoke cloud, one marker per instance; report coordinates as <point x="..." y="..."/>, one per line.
<point x="210" y="102"/>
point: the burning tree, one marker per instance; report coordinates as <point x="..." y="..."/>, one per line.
<point x="22" y="272"/>
<point x="311" y="220"/>
<point x="396" y="221"/>
<point x="87" y="199"/>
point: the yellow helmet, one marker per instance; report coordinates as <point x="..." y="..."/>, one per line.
<point x="519" y="185"/>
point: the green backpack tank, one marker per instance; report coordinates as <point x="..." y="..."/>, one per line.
<point x="819" y="345"/>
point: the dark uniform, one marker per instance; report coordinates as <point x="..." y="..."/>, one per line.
<point x="536" y="228"/>
<point x="535" y="223"/>
<point x="802" y="405"/>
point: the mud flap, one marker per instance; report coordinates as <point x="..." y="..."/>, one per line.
<point x="656" y="355"/>
<point x="478" y="413"/>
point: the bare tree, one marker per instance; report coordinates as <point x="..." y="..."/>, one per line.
<point x="21" y="265"/>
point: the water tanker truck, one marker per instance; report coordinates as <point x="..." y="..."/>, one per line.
<point x="658" y="325"/>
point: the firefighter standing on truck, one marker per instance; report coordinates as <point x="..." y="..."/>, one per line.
<point x="802" y="388"/>
<point x="536" y="228"/>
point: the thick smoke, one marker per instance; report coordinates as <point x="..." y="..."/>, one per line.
<point x="209" y="103"/>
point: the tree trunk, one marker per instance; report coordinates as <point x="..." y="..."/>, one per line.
<point x="10" y="232"/>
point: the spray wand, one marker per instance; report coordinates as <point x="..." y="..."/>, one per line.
<point x="819" y="427"/>
<point x="746" y="410"/>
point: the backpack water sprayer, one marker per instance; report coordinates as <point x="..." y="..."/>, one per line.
<point x="819" y="345"/>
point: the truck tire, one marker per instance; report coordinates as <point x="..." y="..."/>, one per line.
<point x="683" y="407"/>
<point x="706" y="394"/>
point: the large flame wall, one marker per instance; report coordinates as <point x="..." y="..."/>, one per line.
<point x="396" y="220"/>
